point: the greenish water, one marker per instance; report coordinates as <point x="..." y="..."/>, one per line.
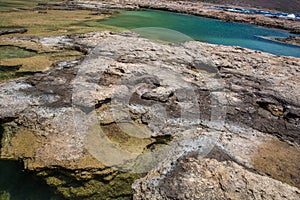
<point x="16" y="184"/>
<point x="15" y="52"/>
<point x="19" y="184"/>
<point x="205" y="29"/>
<point x="8" y="72"/>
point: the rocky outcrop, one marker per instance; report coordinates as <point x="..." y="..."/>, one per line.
<point x="282" y="5"/>
<point x="201" y="118"/>
<point x="262" y="78"/>
<point x="295" y="40"/>
<point x="192" y="178"/>
<point x="5" y="32"/>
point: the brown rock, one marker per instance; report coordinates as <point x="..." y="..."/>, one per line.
<point x="192" y="178"/>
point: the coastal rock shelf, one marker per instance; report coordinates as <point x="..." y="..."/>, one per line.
<point x="195" y="117"/>
<point x="261" y="12"/>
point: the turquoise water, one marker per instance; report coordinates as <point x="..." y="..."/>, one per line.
<point x="206" y="30"/>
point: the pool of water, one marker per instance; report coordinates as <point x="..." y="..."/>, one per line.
<point x="206" y="30"/>
<point x="15" y="52"/>
<point x="17" y="184"/>
<point x="7" y="52"/>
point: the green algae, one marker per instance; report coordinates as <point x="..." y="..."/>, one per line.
<point x="81" y="182"/>
<point x="9" y="5"/>
<point x="21" y="64"/>
<point x="54" y="22"/>
<point x="8" y="72"/>
<point x="4" y="195"/>
<point x="96" y="183"/>
<point x="19" y="58"/>
<point x="8" y="52"/>
<point x="15" y="52"/>
<point x="11" y="73"/>
<point x="122" y="135"/>
<point x="7" y="131"/>
<point x="105" y="183"/>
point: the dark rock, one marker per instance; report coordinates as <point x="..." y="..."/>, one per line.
<point x="19" y="30"/>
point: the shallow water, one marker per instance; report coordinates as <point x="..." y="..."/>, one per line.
<point x="7" y="52"/>
<point x="206" y="30"/>
<point x="15" y="52"/>
<point x="16" y="184"/>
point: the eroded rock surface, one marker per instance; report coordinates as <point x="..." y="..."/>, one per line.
<point x="133" y="106"/>
<point x="193" y="178"/>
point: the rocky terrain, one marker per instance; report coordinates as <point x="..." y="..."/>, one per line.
<point x="295" y="40"/>
<point x="281" y="5"/>
<point x="114" y="116"/>
<point x="194" y="120"/>
<point x="193" y="178"/>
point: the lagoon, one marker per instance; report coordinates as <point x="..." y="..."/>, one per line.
<point x="205" y="29"/>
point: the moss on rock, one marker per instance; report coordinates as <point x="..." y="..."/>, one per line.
<point x="105" y="183"/>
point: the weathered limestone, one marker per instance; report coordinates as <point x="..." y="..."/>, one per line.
<point x="192" y="178"/>
<point x="199" y="117"/>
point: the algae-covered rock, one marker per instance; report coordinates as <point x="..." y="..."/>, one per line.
<point x="29" y="55"/>
<point x="102" y="184"/>
<point x="4" y="195"/>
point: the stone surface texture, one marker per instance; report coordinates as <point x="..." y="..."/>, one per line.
<point x="204" y="121"/>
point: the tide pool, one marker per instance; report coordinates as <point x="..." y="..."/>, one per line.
<point x="19" y="184"/>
